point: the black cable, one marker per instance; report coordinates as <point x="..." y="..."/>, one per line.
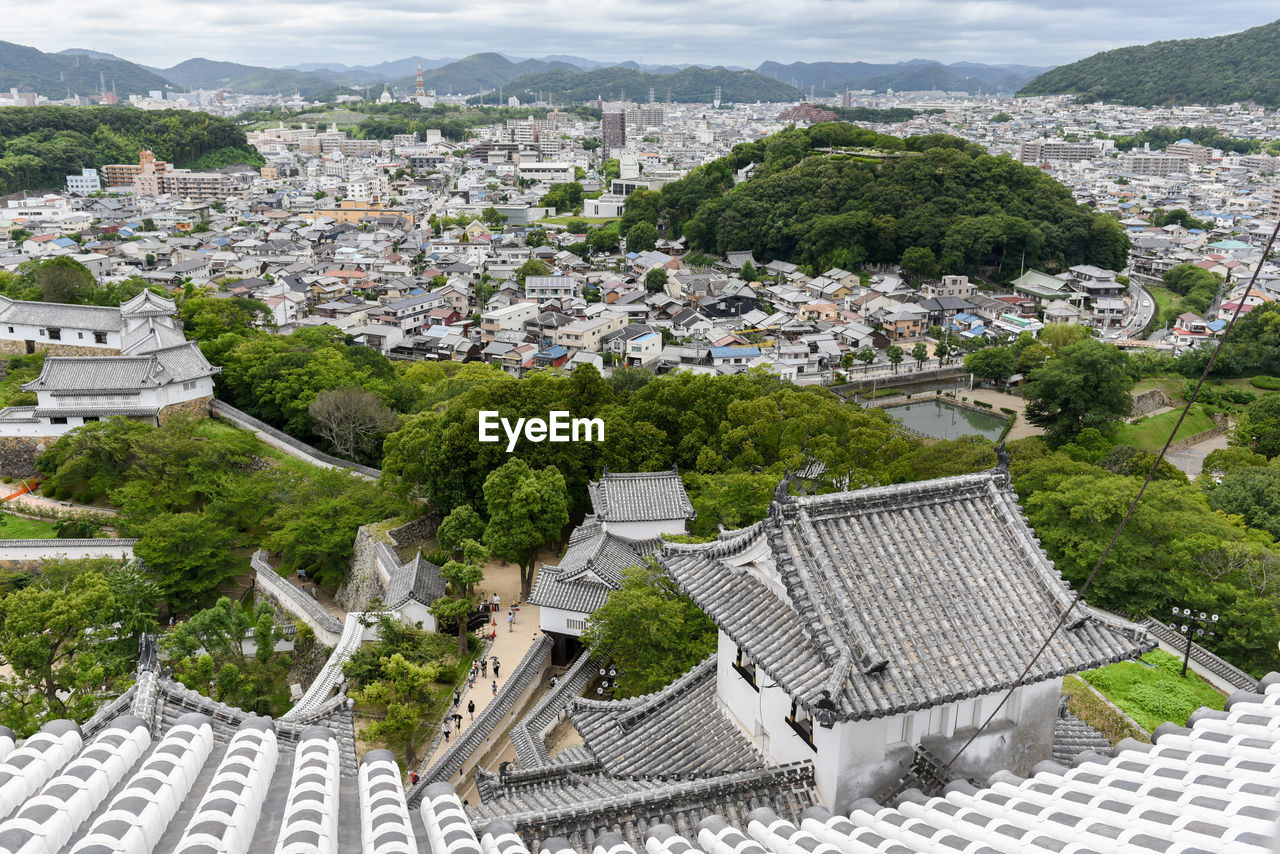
<point x="1132" y="506"/>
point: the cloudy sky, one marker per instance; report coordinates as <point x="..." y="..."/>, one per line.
<point x="731" y="32"/>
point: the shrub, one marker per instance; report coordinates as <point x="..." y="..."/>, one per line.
<point x="82" y="498"/>
<point x="983" y="404"/>
<point x="1007" y="411"/>
<point x="1266" y="383"/>
<point x="1238" y="395"/>
<point x="62" y="493"/>
<point x="8" y="479"/>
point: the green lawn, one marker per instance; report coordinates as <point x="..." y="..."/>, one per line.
<point x="1150" y="433"/>
<point x="18" y="528"/>
<point x="1153" y="695"/>
<point x="1168" y="305"/>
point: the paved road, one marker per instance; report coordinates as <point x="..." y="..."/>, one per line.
<point x="1191" y="459"/>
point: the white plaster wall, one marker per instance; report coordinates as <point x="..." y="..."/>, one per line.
<point x="645" y="530"/>
<point x="557" y="620"/>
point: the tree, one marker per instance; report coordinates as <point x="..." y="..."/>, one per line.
<point x="404" y="695"/>
<point x="866" y="355"/>
<point x="995" y="364"/>
<point x="748" y="272"/>
<point x="149" y="224"/>
<point x="56" y="639"/>
<point x="652" y="630"/>
<point x="191" y="556"/>
<point x="462" y="524"/>
<point x="532" y="267"/>
<point x="536" y="237"/>
<point x="655" y="280"/>
<point x="527" y="509"/>
<point x="1085" y="386"/>
<point x="354" y="421"/>
<point x="1259" y="426"/>
<point x="920" y="352"/>
<point x="894" y="354"/>
<point x="1252" y="492"/>
<point x="490" y="216"/>
<point x="462" y="577"/>
<point x="642" y="237"/>
<point x="565" y="198"/>
<point x="919" y="264"/>
<point x="63" y="279"/>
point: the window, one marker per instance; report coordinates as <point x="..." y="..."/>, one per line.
<point x="903" y="735"/>
<point x="99" y="338"/>
<point x="58" y="419"/>
<point x="80" y="335"/>
<point x="575" y="624"/>
<point x="746" y="667"/>
<point x="188" y="385"/>
<point x="89" y="418"/>
<point x="54" y="334"/>
<point x="800" y="721"/>
<point x="10" y="328"/>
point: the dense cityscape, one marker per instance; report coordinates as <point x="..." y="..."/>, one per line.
<point x="558" y="456"/>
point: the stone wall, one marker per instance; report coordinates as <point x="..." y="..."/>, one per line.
<point x="1149" y="401"/>
<point x="199" y="407"/>
<point x="418" y="531"/>
<point x="18" y="454"/>
<point x="309" y="656"/>
<point x="10" y="347"/>
<point x="362" y="584"/>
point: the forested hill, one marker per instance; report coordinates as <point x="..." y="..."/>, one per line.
<point x="839" y="195"/>
<point x="687" y="84"/>
<point x="55" y="74"/>
<point x="40" y="146"/>
<point x="1241" y="67"/>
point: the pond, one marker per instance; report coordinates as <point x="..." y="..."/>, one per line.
<point x="944" y="420"/>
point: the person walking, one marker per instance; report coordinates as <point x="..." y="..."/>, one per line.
<point x="495" y="687"/>
<point x="445" y="729"/>
<point x="457" y="722"/>
<point x="457" y="696"/>
<point x="413" y="778"/>
<point x="484" y="668"/>
<point x="511" y="620"/>
<point x="497" y="603"/>
<point x="495" y="667"/>
<point x="471" y="709"/>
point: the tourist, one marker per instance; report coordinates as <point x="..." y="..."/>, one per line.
<point x="471" y="709"/>
<point x="445" y="729"/>
<point x="495" y="667"/>
<point x="511" y="620"/>
<point x="496" y="603"/>
<point x="413" y="778"/>
<point x="457" y="722"/>
<point x="495" y="687"/>
<point x="484" y="667"/>
<point x="457" y="696"/>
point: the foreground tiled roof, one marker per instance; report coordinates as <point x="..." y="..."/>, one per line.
<point x="76" y="374"/>
<point x="222" y="780"/>
<point x="898" y="598"/>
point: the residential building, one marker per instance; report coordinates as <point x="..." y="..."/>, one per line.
<point x="84" y="184"/>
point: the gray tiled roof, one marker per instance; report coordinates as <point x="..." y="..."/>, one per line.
<point x="428" y="583"/>
<point x="675" y="732"/>
<point x="592" y="565"/>
<point x="78" y="374"/>
<point x="896" y="598"/>
<point x="96" y="317"/>
<point x="640" y="497"/>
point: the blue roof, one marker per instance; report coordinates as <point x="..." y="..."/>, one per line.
<point x="554" y="352"/>
<point x="1216" y="325"/>
<point x="64" y="242"/>
<point x="965" y="317"/>
<point x="974" y="332"/>
<point x="1183" y="141"/>
<point x="729" y="352"/>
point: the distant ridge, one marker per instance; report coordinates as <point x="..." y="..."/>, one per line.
<point x="828" y="78"/>
<point x="1242" y="67"/>
<point x="79" y="71"/>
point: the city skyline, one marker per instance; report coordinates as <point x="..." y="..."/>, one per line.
<point x="280" y="33"/>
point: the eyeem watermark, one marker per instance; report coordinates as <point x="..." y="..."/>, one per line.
<point x="559" y="427"/>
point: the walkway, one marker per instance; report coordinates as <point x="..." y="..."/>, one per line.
<point x="1191" y="459"/>
<point x="509" y="646"/>
<point x="998" y="399"/>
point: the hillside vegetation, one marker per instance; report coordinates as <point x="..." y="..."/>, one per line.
<point x="687" y="84"/>
<point x="40" y="146"/>
<point x="54" y="75"/>
<point x="1241" y="66"/>
<point x="875" y="198"/>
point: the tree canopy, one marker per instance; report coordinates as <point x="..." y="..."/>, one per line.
<point x="1085" y="386"/>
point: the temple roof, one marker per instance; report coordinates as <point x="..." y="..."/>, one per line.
<point x="640" y="497"/>
<point x="898" y="598"/>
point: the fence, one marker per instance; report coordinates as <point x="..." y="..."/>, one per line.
<point x="295" y="600"/>
<point x="282" y="441"/>
<point x="318" y="693"/>
<point x="30" y="550"/>
<point x="1200" y="655"/>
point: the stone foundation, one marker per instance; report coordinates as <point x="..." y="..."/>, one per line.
<point x="362" y="584"/>
<point x="1149" y="401"/>
<point x="9" y="347"/>
<point x="418" y="531"/>
<point x="198" y="407"/>
<point x="18" y="454"/>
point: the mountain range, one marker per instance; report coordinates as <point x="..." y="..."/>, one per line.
<point x="81" y="71"/>
<point x="828" y="78"/>
<point x="1240" y="67"/>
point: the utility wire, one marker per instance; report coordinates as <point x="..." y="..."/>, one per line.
<point x="1235" y="315"/>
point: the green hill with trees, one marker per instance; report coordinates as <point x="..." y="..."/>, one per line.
<point x="54" y="75"/>
<point x="40" y="146"/>
<point x="838" y="195"/>
<point x="687" y="84"/>
<point x="1241" y="66"/>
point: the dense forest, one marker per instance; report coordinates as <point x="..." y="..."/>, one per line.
<point x="835" y="194"/>
<point x="40" y="146"/>
<point x="55" y="74"/>
<point x="1242" y="67"/>
<point x="386" y="120"/>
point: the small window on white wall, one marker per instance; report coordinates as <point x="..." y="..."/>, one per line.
<point x="903" y="726"/>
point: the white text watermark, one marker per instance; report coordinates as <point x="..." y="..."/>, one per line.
<point x="557" y="427"/>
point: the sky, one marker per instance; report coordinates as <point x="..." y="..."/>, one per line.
<point x="278" y="33"/>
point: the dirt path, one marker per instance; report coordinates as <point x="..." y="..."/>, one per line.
<point x="1021" y="428"/>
